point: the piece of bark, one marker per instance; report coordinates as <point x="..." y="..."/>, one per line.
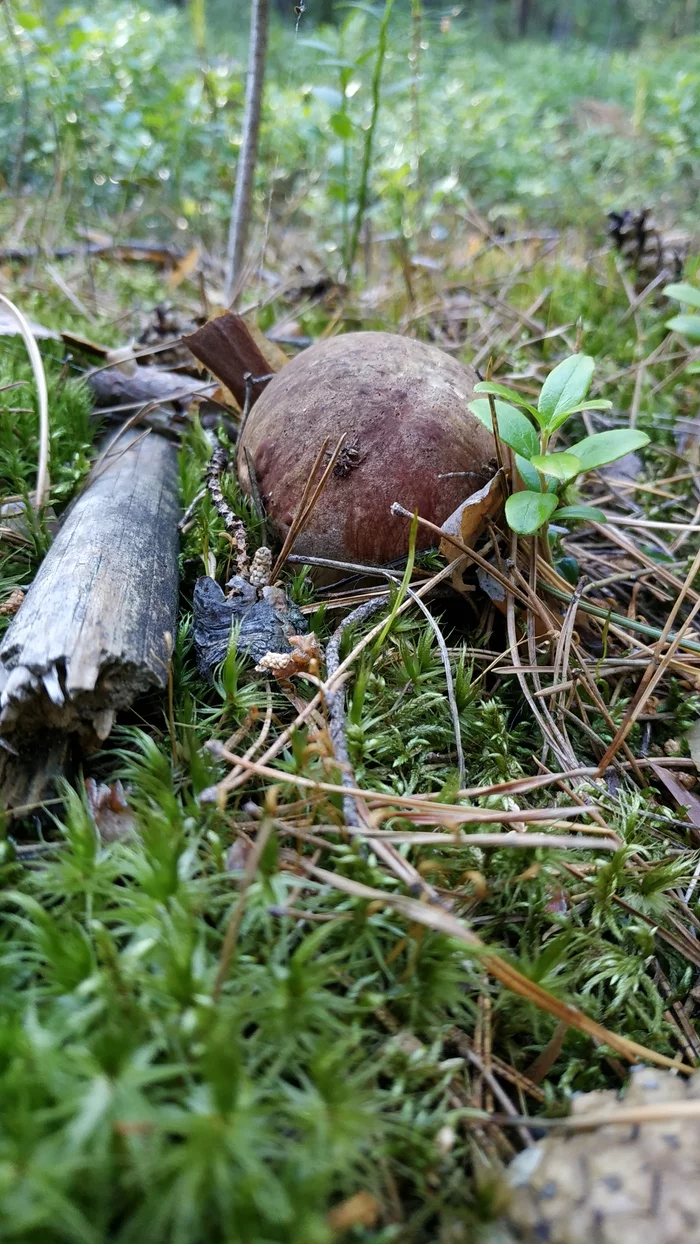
<point x="265" y="619"/>
<point x="226" y="346"/>
<point x="113" y="387"/>
<point x="91" y="634"/>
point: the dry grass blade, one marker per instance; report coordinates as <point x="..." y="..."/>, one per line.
<point x="441" y="921"/>
<point x="622" y="1116"/>
<point x="310" y="496"/>
<point x="657" y="667"/>
<point x="42" y="475"/>
<point x="524" y="841"/>
<point x="423" y="810"/>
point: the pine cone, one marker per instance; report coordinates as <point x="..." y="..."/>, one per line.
<point x="645" y="249"/>
<point x="619" y="1184"/>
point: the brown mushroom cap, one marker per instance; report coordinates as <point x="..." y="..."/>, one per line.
<point x="403" y="407"/>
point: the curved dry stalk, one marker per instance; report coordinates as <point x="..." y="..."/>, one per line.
<point x="444" y="653"/>
<point x="42" y="475"/>
<point x="451" y="700"/>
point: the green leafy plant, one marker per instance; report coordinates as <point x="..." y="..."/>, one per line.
<point x="548" y="475"/>
<point x="687" y="324"/>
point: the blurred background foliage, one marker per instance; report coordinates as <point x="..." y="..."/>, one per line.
<point x="129" y="119"/>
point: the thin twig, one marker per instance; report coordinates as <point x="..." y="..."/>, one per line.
<point x="248" y="153"/>
<point x="217" y="465"/>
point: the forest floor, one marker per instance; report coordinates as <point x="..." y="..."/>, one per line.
<point x="240" y="1021"/>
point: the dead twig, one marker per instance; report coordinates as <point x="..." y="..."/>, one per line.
<point x="248" y="154"/>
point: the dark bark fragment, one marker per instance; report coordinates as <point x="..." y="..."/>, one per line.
<point x="265" y="623"/>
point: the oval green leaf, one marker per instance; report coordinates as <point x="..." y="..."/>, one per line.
<point x="582" y="511"/>
<point x="688" y="325"/>
<point x="528" y="474"/>
<point x="684" y="293"/>
<point x="561" y="466"/>
<point x="502" y="390"/>
<point x="514" y="428"/>
<point x="603" y="447"/>
<point x="527" y="511"/>
<point x="565" y="387"/>
<point x="595" y="404"/>
<point x="341" y="125"/>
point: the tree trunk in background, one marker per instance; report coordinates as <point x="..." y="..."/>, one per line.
<point x="524" y="9"/>
<point x="247" y="159"/>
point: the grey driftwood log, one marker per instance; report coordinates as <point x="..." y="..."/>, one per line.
<point x="93" y="631"/>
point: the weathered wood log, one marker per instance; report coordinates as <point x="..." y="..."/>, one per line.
<point x="93" y="631"/>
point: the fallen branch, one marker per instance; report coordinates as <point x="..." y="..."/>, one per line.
<point x="121" y="252"/>
<point x="94" y="630"/>
<point x="113" y="387"/>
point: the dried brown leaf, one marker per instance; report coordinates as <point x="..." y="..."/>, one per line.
<point x="469" y="519"/>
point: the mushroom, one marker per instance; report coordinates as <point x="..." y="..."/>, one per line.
<point x="409" y="437"/>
